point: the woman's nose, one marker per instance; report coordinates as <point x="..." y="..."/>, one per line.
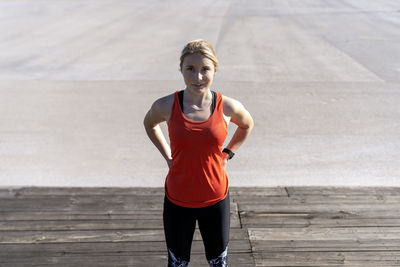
<point x="198" y="76"/>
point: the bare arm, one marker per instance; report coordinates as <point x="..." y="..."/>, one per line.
<point x="242" y="118"/>
<point x="151" y="122"/>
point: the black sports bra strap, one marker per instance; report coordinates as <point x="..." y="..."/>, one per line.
<point x="180" y="95"/>
<point x="214" y="101"/>
<point x="213" y="104"/>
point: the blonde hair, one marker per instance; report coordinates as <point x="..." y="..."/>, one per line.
<point x="202" y="47"/>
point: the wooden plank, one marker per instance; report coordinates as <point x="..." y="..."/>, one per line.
<point x="80" y="191"/>
<point x="58" y="225"/>
<point x="94" y="215"/>
<point x="197" y="259"/>
<point x="317" y="234"/>
<point x="332" y="245"/>
<point x="114" y="191"/>
<point x="337" y="219"/>
<point x="234" y="191"/>
<point x="257" y="191"/>
<point x="52" y="222"/>
<point x="67" y="225"/>
<point x="82" y="203"/>
<point x="354" y="214"/>
<point x="8" y="251"/>
<point x="315" y="199"/>
<point x="320" y="208"/>
<point x="101" y="214"/>
<point x="135" y="235"/>
<point x="296" y="222"/>
<point x="235" y="218"/>
<point x="359" y="258"/>
<point x="343" y="190"/>
<point x="85" y="203"/>
<point x="325" y="239"/>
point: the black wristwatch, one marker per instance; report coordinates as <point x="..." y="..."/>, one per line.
<point x="230" y="153"/>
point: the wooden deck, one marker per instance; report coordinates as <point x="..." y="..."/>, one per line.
<point x="280" y="226"/>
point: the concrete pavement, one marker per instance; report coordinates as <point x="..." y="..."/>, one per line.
<point x="321" y="79"/>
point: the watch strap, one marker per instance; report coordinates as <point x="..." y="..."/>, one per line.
<point x="230" y="153"/>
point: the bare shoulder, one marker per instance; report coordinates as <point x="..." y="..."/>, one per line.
<point x="163" y="106"/>
<point x="165" y="102"/>
<point x="231" y="106"/>
<point x="237" y="112"/>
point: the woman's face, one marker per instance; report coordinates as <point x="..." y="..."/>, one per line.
<point x="198" y="72"/>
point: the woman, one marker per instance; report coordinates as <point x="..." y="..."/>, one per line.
<point x="196" y="187"/>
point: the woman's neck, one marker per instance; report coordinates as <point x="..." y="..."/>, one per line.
<point x="198" y="98"/>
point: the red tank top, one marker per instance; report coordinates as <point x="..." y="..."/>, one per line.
<point x="197" y="177"/>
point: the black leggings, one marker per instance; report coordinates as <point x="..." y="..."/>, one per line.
<point x="179" y="227"/>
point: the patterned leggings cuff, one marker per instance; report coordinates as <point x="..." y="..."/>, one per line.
<point x="174" y="261"/>
<point x="220" y="261"/>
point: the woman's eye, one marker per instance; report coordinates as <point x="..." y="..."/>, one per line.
<point x="189" y="68"/>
